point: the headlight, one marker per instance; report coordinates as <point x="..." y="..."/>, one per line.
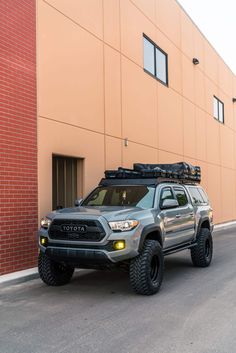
<point x="122" y="226"/>
<point x="45" y="222"/>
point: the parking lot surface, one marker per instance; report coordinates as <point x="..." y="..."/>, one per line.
<point x="194" y="312"/>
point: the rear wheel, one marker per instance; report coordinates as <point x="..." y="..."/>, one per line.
<point x="146" y="270"/>
<point x="201" y="254"/>
<point x="53" y="273"/>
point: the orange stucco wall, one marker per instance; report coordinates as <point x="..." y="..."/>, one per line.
<point x="93" y="93"/>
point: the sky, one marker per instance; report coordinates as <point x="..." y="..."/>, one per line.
<point x="217" y="21"/>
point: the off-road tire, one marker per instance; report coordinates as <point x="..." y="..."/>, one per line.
<point x="146" y="270"/>
<point x="201" y="254"/>
<point x="53" y="273"/>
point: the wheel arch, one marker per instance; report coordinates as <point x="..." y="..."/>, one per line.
<point x="152" y="232"/>
<point x="204" y="223"/>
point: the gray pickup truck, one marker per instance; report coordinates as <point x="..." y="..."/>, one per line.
<point x="131" y="223"/>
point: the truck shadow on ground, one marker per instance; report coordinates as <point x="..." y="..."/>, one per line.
<point x="178" y="269"/>
<point x="117" y="282"/>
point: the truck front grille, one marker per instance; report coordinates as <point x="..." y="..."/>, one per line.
<point x="76" y="230"/>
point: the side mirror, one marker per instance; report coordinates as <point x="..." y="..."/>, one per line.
<point x="78" y="202"/>
<point x="169" y="203"/>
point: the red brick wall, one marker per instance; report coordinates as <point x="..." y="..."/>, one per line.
<point x="18" y="135"/>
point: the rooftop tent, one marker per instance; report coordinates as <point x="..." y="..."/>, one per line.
<point x="178" y="171"/>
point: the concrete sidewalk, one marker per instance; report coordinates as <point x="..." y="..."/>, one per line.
<point x="19" y="276"/>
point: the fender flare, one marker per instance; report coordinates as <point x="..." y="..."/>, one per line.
<point x="202" y="220"/>
<point x="149" y="229"/>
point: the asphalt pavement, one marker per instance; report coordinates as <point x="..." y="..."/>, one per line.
<point x="194" y="312"/>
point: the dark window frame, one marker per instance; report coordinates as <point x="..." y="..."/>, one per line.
<point x="223" y="106"/>
<point x="155" y="70"/>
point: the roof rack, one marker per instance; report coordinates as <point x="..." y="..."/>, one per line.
<point x="143" y="181"/>
<point x="178" y="181"/>
<point x="155" y="173"/>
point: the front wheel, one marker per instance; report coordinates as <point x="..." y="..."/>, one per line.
<point x="201" y="254"/>
<point x="146" y="270"/>
<point x="53" y="273"/>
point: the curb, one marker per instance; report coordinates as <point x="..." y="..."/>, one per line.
<point x="224" y="225"/>
<point x="32" y="273"/>
<point x="19" y="276"/>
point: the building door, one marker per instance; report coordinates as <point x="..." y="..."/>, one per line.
<point x="66" y="181"/>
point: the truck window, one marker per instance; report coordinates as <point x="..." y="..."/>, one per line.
<point x="166" y="193"/>
<point x="181" y="196"/>
<point x="204" y="195"/>
<point x="132" y="195"/>
<point x="196" y="196"/>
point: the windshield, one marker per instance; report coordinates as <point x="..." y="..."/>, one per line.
<point x="132" y="196"/>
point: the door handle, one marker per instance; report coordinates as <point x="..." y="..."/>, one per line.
<point x="178" y="216"/>
<point x="191" y="214"/>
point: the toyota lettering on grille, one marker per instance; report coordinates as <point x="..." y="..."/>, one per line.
<point x="73" y="228"/>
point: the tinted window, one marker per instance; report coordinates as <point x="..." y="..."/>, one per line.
<point x="133" y="196"/>
<point x="166" y="194"/>
<point x="148" y="56"/>
<point x="196" y="196"/>
<point x="98" y="198"/>
<point x="204" y="195"/>
<point x="181" y="196"/>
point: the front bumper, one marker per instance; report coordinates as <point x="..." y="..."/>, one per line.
<point x="92" y="253"/>
<point x="78" y="256"/>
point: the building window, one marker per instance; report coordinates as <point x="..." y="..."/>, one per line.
<point x="155" y="60"/>
<point x="149" y="56"/>
<point x="66" y="181"/>
<point x="218" y="109"/>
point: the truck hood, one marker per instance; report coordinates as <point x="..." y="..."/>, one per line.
<point x="110" y="213"/>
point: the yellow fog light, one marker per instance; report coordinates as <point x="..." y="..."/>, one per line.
<point x="119" y="245"/>
<point x="43" y="241"/>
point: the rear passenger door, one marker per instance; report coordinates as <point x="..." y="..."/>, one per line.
<point x="178" y="222"/>
<point x="184" y="215"/>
